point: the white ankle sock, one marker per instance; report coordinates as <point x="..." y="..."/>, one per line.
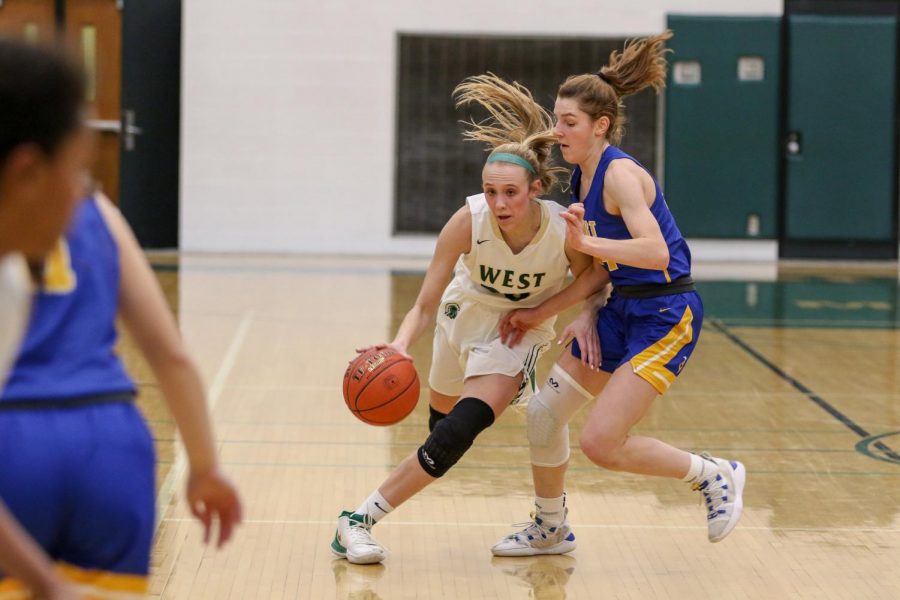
<point x="552" y="511"/>
<point x="701" y="468"/>
<point x="375" y="506"/>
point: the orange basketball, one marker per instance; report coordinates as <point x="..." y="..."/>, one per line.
<point x="381" y="387"/>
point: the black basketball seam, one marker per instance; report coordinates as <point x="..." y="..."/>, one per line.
<point x="416" y="380"/>
<point x="359" y="416"/>
<point x="346" y="386"/>
<point x="372" y="376"/>
<point x="367" y="421"/>
<point x="348" y="375"/>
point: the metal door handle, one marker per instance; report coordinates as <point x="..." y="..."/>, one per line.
<point x="105" y="125"/>
<point x="793" y="145"/>
<point x="130" y="130"/>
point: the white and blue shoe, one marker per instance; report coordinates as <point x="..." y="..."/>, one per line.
<point x="537" y="538"/>
<point x="724" y="496"/>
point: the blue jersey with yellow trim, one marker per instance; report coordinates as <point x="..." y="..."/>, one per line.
<point x="69" y="348"/>
<point x="600" y="223"/>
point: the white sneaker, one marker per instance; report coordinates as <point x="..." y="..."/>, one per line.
<point x="537" y="538"/>
<point x="724" y="497"/>
<point x="353" y="540"/>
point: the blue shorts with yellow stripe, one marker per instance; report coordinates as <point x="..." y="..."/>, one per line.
<point x="655" y="335"/>
<point x="81" y="481"/>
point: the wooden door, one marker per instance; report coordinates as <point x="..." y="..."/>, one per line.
<point x="33" y="20"/>
<point x="93" y="29"/>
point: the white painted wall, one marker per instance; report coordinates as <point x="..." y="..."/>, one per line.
<point x="288" y="109"/>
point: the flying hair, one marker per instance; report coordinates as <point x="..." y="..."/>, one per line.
<point x="517" y="124"/>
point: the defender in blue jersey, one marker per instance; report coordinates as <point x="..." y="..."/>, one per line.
<point x="652" y="319"/>
<point x="78" y="458"/>
<point x="646" y="330"/>
<point x="44" y="148"/>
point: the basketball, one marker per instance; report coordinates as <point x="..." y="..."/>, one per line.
<point x="381" y="387"/>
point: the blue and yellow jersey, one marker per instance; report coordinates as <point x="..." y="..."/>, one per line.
<point x="599" y="223"/>
<point x="69" y="348"/>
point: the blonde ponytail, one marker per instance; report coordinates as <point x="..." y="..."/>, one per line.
<point x="517" y="124"/>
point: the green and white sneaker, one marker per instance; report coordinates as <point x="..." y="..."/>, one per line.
<point x="353" y="540"/>
<point x="537" y="538"/>
<point x="724" y="496"/>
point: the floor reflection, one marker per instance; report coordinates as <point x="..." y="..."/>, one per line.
<point x="356" y="582"/>
<point x="544" y="577"/>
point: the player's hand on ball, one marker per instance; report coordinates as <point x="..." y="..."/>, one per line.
<point x="212" y="497"/>
<point x="381" y="386"/>
<point x="393" y="346"/>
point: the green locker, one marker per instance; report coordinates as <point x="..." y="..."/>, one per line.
<point x="839" y="171"/>
<point x="722" y="146"/>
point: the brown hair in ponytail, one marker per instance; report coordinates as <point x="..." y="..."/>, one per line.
<point x="641" y="64"/>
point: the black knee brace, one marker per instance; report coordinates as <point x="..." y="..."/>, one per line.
<point x="453" y="435"/>
<point x="433" y="417"/>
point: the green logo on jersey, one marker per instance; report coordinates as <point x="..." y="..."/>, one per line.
<point x="451" y="309"/>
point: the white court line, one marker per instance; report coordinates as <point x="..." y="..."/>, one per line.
<point x="751" y="395"/>
<point x="179" y="465"/>
<point x="574" y="525"/>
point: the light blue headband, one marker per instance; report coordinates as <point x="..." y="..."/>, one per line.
<point x="512" y="158"/>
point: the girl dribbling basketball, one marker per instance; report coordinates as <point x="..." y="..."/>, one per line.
<point x="505" y="248"/>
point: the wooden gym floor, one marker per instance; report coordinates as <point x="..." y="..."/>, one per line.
<point x="797" y="374"/>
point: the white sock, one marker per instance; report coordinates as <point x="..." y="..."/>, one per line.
<point x="701" y="468"/>
<point x="375" y="506"/>
<point x="552" y="511"/>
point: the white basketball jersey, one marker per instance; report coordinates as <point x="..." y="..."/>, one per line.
<point x="491" y="274"/>
<point x="15" y="305"/>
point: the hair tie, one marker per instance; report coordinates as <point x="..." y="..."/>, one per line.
<point x="604" y="77"/>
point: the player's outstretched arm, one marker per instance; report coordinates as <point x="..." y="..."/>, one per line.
<point x="146" y="315"/>
<point x="454" y="240"/>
